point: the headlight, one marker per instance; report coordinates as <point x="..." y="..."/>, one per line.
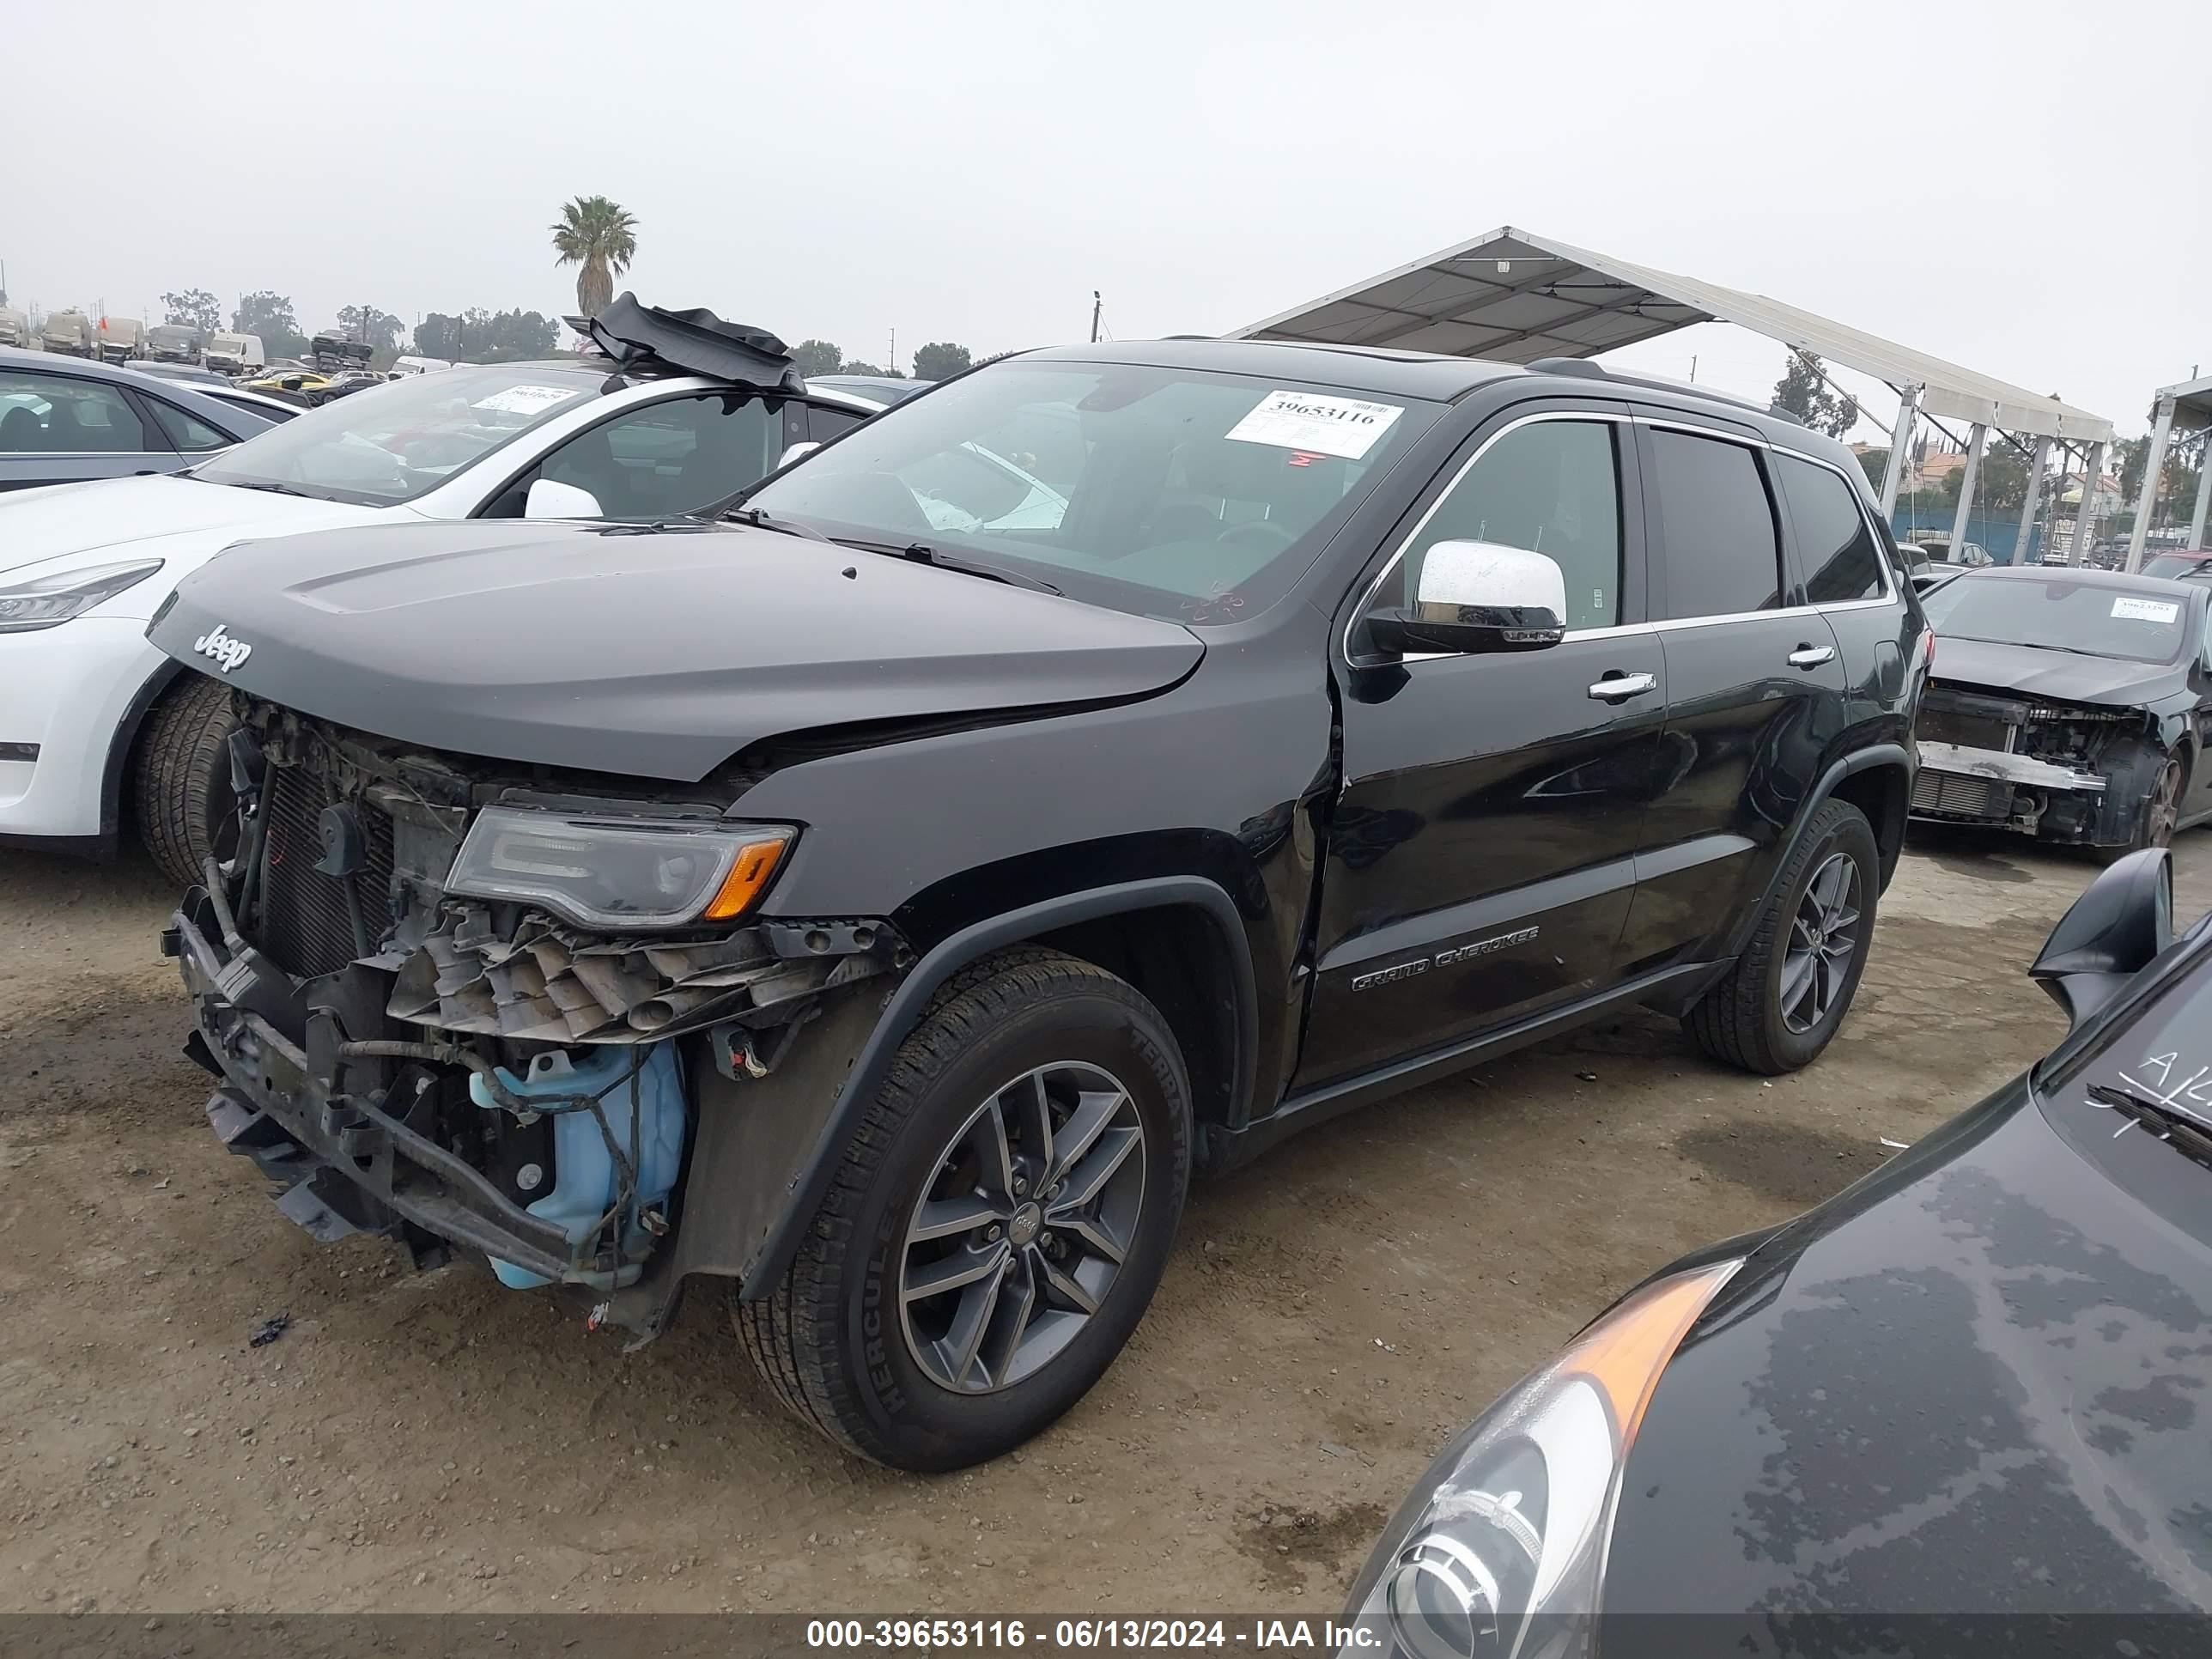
<point x="50" y="601"/>
<point x="1507" y="1530"/>
<point x="618" y="873"/>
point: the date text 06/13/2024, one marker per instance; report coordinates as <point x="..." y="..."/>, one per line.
<point x="1082" y="1635"/>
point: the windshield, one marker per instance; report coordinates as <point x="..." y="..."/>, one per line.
<point x="2173" y="565"/>
<point x="1168" y="491"/>
<point x="393" y="442"/>
<point x="2100" y="619"/>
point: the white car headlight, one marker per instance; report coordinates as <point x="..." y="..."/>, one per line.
<point x="618" y="873"/>
<point x="50" y="601"/>
<point x="1500" y="1548"/>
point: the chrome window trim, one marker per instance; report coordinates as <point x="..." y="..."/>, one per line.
<point x="1670" y="624"/>
<point x="1398" y="555"/>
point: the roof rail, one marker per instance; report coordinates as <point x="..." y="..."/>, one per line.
<point x="1583" y="368"/>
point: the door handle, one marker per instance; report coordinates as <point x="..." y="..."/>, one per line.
<point x="1812" y="656"/>
<point x="1620" y="688"/>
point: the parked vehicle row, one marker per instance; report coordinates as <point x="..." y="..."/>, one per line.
<point x="1511" y="697"/>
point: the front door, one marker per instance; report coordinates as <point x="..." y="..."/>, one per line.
<point x="1480" y="857"/>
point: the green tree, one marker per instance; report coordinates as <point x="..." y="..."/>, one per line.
<point x="870" y="371"/>
<point x="940" y="360"/>
<point x="194" y="308"/>
<point x="596" y="235"/>
<point x="1803" y="392"/>
<point x="269" y="317"/>
<point x="818" y="357"/>
<point x="438" y="336"/>
<point x="1873" y="463"/>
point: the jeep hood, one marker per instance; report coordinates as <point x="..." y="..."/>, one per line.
<point x="56" y="521"/>
<point x="2058" y="675"/>
<point x="642" y="653"/>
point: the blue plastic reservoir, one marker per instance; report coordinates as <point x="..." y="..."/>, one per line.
<point x="584" y="1178"/>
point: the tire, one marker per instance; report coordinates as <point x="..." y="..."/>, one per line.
<point x="180" y="782"/>
<point x="845" y="1342"/>
<point x="1743" y="1020"/>
<point x="2155" y="827"/>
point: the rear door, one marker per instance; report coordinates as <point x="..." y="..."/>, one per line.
<point x="1481" y="853"/>
<point x="61" y="429"/>
<point x="1755" y="688"/>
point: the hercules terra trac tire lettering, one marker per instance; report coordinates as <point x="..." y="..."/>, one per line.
<point x="829" y="1340"/>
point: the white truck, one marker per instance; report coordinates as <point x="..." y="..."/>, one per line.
<point x="72" y="334"/>
<point x="235" y="353"/>
<point x="15" y="329"/>
<point x="173" y="342"/>
<point x="121" y="338"/>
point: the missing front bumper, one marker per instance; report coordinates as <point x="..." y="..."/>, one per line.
<point x="343" y="1152"/>
<point x="1959" y="784"/>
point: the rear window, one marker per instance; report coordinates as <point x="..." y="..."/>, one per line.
<point x="1842" y="563"/>
<point x="2173" y="565"/>
<point x="1722" y="555"/>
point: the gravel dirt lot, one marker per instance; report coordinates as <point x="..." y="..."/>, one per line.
<point x="437" y="1444"/>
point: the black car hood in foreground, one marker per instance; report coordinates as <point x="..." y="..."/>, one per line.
<point x="1977" y="1382"/>
<point x="651" y="655"/>
<point x="2060" y="676"/>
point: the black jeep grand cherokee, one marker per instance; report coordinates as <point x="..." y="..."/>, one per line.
<point x="1092" y="769"/>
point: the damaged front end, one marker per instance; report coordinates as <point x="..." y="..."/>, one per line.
<point x="479" y="1010"/>
<point x="2063" y="772"/>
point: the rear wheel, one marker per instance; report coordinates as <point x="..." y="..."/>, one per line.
<point x="185" y="810"/>
<point x="1787" y="995"/>
<point x="998" y="1225"/>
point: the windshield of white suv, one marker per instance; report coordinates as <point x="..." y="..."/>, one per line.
<point x="393" y="442"/>
<point x="1173" y="492"/>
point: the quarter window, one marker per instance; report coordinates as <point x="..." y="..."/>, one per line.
<point x="1722" y="555"/>
<point x="1842" y="563"/>
<point x="1552" y="487"/>
<point x="187" y="432"/>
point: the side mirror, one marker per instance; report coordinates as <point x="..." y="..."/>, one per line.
<point x="1479" y="597"/>
<point x="795" y="451"/>
<point x="549" y="498"/>
<point x="2122" y="920"/>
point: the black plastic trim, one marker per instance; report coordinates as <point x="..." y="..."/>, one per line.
<point x="905" y="1008"/>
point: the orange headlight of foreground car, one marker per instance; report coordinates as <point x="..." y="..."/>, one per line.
<point x="1508" y="1526"/>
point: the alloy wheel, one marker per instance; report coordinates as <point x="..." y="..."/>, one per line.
<point x="1022" y="1227"/>
<point x="2163" y="810"/>
<point x="1824" y="937"/>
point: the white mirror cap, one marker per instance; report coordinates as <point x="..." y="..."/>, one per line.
<point x="796" y="450"/>
<point x="1491" y="576"/>
<point x="550" y="498"/>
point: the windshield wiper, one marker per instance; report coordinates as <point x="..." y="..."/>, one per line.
<point x="920" y="553"/>
<point x="2187" y="1132"/>
<point x="758" y="518"/>
<point x="272" y="487"/>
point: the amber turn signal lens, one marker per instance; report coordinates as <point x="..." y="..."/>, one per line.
<point x="748" y="879"/>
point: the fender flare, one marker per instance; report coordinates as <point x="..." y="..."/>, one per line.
<point x="904" y="1008"/>
<point x="1859" y="760"/>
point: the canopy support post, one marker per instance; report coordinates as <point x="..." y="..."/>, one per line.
<point x="1969" y="477"/>
<point x="2203" y="494"/>
<point x="2147" y="497"/>
<point x="1900" y="441"/>
<point x="2085" y="518"/>
<point x="2033" y="500"/>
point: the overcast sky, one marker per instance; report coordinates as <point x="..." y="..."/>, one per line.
<point x="2021" y="186"/>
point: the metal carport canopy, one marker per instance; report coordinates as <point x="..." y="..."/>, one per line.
<point x="1513" y="296"/>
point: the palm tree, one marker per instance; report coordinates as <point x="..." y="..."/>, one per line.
<point x="597" y="234"/>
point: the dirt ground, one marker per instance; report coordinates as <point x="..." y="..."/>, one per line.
<point x="438" y="1443"/>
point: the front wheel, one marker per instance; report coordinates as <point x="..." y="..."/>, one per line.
<point x="998" y="1225"/>
<point x="1785" y="999"/>
<point x="185" y="810"/>
<point x="2161" y="809"/>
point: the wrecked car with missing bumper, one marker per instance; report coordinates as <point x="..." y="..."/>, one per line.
<point x="2070" y="706"/>
<point x="1087" y="772"/>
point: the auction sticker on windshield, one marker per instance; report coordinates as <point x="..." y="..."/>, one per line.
<point x="525" y="399"/>
<point x="1306" y="420"/>
<point x="2153" y="611"/>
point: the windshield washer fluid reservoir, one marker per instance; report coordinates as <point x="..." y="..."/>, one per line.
<point x="585" y="1180"/>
